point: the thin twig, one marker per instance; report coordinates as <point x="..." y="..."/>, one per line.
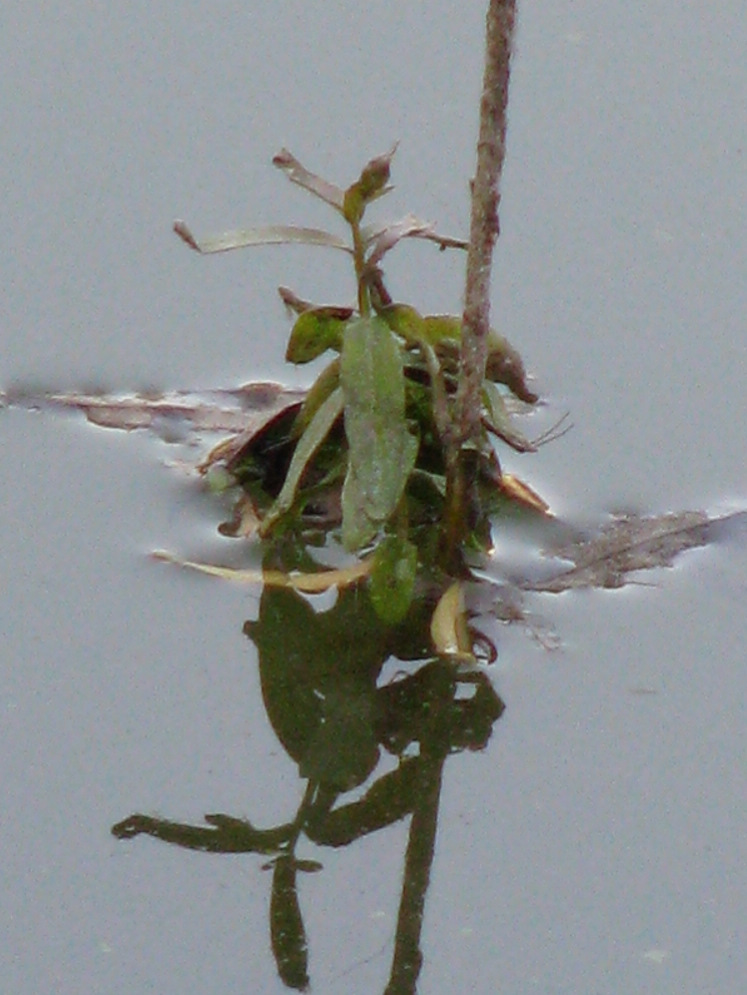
<point x="485" y="224"/>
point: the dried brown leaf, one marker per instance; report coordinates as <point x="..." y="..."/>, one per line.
<point x="630" y="543"/>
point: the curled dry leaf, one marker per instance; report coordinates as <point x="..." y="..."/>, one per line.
<point x="243" y="238"/>
<point x="449" y="630"/>
<point x="297" y="173"/>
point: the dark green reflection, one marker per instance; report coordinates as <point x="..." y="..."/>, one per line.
<point x="321" y="684"/>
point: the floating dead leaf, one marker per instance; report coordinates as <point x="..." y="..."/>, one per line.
<point x="520" y="492"/>
<point x="170" y="414"/>
<point x="308" y="583"/>
<point x="630" y="543"/>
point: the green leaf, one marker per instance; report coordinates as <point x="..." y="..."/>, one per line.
<point x="358" y="527"/>
<point x="444" y="332"/>
<point x="327" y="381"/>
<point x="307" y="446"/>
<point x="381" y="449"/>
<point x="405" y="320"/>
<point x="439" y="328"/>
<point x="393" y="578"/>
<point x="372" y="183"/>
<point x="499" y="422"/>
<point x="315" y="331"/>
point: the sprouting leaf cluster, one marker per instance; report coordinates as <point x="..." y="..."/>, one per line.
<point x="368" y="448"/>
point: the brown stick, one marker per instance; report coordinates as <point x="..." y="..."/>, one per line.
<point x="484" y="230"/>
<point x="485" y="224"/>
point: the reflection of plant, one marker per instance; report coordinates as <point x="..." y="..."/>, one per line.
<point x="320" y="674"/>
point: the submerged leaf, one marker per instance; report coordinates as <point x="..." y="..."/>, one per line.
<point x="381" y="450"/>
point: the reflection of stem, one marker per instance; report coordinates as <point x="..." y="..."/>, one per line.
<point x="408" y="957"/>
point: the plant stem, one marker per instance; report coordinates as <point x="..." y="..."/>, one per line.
<point x="485" y="224"/>
<point x="359" y="258"/>
<point x="484" y="230"/>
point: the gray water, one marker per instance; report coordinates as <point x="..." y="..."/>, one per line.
<point x="598" y="844"/>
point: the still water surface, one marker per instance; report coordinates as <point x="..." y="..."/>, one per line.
<point x="598" y="844"/>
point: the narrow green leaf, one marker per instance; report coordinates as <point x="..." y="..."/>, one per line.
<point x="381" y="449"/>
<point x="393" y="578"/>
<point x="327" y="381"/>
<point x="307" y="446"/>
<point x="314" y="332"/>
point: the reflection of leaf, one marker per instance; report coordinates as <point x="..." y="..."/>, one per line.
<point x="342" y="750"/>
<point x="286" y="926"/>
<point x="627" y="544"/>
